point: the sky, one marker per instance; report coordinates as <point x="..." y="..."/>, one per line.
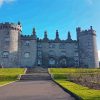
<point x="52" y="15"/>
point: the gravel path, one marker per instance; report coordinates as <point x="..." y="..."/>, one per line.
<point x="33" y="90"/>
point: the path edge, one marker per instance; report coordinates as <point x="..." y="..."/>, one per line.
<point x="66" y="90"/>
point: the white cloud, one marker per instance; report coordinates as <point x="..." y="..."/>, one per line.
<point x="99" y="54"/>
<point x="5" y="1"/>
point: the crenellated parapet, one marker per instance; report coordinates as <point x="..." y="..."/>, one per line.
<point x="84" y="32"/>
<point x="10" y="26"/>
<point x="56" y="41"/>
<point x="27" y="37"/>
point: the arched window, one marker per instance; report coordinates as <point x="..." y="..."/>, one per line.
<point x="63" y="53"/>
<point x="5" y="54"/>
<point x="52" y="61"/>
<point x="27" y="54"/>
<point x="63" y="61"/>
<point x="27" y="43"/>
<point x="39" y="62"/>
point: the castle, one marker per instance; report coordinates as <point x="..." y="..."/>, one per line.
<point x="17" y="50"/>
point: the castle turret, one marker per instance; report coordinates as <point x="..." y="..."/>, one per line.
<point x="34" y="33"/>
<point x="9" y="37"/>
<point x="88" y="56"/>
<point x="57" y="36"/>
<point x="45" y="35"/>
<point x="69" y="37"/>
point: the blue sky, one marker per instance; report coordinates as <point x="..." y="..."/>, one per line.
<point x="50" y="15"/>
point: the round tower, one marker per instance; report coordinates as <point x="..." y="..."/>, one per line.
<point x="9" y="39"/>
<point x="88" y="55"/>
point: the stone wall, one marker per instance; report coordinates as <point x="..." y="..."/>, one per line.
<point x="18" y="50"/>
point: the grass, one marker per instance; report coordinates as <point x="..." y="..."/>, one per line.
<point x="10" y="74"/>
<point x="60" y="75"/>
<point x="73" y="70"/>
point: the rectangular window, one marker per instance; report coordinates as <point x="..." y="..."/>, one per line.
<point x="27" y="54"/>
<point x="62" y="46"/>
<point x="39" y="46"/>
<point x="5" y="54"/>
<point x="27" y="43"/>
<point x="51" y="45"/>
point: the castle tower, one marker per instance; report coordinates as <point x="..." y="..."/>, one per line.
<point x="88" y="56"/>
<point x="9" y="37"/>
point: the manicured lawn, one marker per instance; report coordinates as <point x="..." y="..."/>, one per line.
<point x="62" y="77"/>
<point x="10" y="74"/>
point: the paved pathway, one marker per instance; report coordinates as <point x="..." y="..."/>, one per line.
<point x="33" y="90"/>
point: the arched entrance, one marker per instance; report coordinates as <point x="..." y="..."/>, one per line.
<point x="66" y="61"/>
<point x="52" y="61"/>
<point x="63" y="61"/>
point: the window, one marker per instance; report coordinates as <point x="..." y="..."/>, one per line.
<point x="27" y="43"/>
<point x="27" y="55"/>
<point x="5" y="54"/>
<point x="62" y="46"/>
<point x="51" y="45"/>
<point x="7" y="33"/>
<point x="51" y="52"/>
<point x="63" y="53"/>
<point x="39" y="53"/>
<point x="39" y="46"/>
<point x="76" y="46"/>
<point x="76" y="54"/>
<point x="7" y="39"/>
<point x="39" y="62"/>
<point x="52" y="61"/>
<point x="63" y="61"/>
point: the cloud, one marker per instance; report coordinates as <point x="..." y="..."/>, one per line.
<point x="5" y="1"/>
<point x="99" y="54"/>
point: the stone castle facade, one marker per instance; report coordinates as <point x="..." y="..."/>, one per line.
<point x="18" y="50"/>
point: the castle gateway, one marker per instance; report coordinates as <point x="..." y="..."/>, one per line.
<point x="18" y="50"/>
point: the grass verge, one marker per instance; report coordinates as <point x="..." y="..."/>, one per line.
<point x="59" y="76"/>
<point x="8" y="75"/>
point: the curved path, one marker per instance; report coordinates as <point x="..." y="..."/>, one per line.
<point x="33" y="90"/>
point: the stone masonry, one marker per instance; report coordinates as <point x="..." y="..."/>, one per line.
<point x="17" y="50"/>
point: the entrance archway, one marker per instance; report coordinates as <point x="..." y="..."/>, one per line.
<point x="52" y="61"/>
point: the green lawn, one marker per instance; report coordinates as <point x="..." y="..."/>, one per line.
<point x="61" y="76"/>
<point x="10" y="74"/>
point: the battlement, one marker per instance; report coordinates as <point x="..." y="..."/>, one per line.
<point x="89" y="31"/>
<point x="27" y="37"/>
<point x="54" y="41"/>
<point x="11" y="26"/>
